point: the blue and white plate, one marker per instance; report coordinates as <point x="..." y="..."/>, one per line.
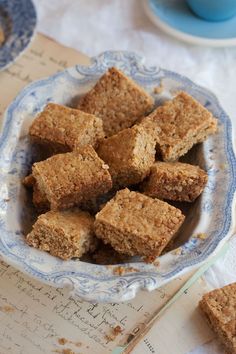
<point x="18" y="21"/>
<point x="210" y="216"/>
<point x="175" y="18"/>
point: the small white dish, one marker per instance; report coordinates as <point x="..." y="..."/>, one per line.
<point x="210" y="215"/>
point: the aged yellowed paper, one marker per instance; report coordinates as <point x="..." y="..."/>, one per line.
<point x="43" y="58"/>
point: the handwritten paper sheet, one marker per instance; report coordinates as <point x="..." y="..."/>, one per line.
<point x="43" y="58"/>
<point x="36" y="318"/>
<point x="187" y="328"/>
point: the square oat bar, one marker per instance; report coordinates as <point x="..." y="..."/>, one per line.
<point x="41" y="203"/>
<point x="64" y="129"/>
<point x="183" y="122"/>
<point x="72" y="178"/>
<point x="175" y="181"/>
<point x="219" y="307"/>
<point x="135" y="224"/>
<point x="65" y="234"/>
<point x="118" y="100"/>
<point x="129" y="154"/>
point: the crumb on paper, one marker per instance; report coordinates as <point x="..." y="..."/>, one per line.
<point x="149" y="259"/>
<point x="68" y="351"/>
<point x="201" y="236"/>
<point x="62" y="341"/>
<point x="78" y="344"/>
<point x="2" y="36"/>
<point x="64" y="351"/>
<point x="6" y="199"/>
<point x="7" y="309"/>
<point x="108" y="338"/>
<point x="119" y="270"/>
<point x="115" y="332"/>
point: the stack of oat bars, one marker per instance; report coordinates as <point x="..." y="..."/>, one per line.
<point x="112" y="166"/>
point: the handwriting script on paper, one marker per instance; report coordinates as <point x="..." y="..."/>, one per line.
<point x="43" y="58"/>
<point x="35" y="316"/>
<point x="18" y="70"/>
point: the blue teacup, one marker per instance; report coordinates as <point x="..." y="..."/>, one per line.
<point x="213" y="10"/>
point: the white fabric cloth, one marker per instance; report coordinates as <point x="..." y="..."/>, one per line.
<point x="93" y="26"/>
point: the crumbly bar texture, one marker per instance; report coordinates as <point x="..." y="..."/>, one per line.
<point x="28" y="181"/>
<point x="118" y="100"/>
<point x="40" y="200"/>
<point x="64" y="234"/>
<point x="219" y="307"/>
<point x="129" y="154"/>
<point x="175" y="181"/>
<point x="64" y="129"/>
<point x="135" y="224"/>
<point x="72" y="178"/>
<point x="183" y="122"/>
